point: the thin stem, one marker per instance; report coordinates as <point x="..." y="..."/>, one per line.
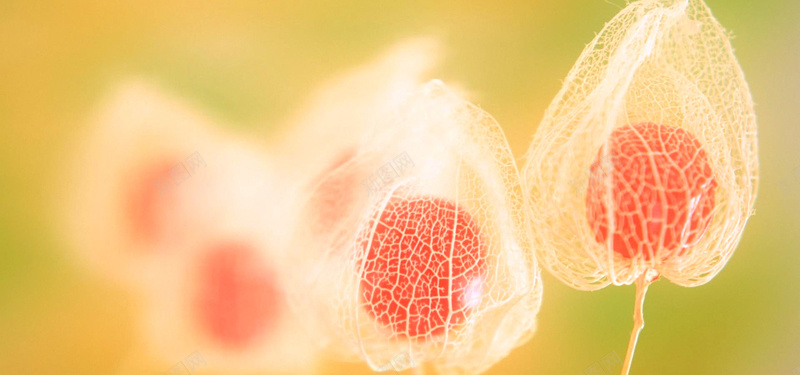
<point x="638" y="319"/>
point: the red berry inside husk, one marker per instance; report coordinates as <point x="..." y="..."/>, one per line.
<point x="425" y="267"/>
<point x="662" y="191"/>
<point x="334" y="195"/>
<point x="237" y="299"/>
<point x="147" y="199"/>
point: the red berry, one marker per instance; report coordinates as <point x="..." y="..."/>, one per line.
<point x="425" y="266"/>
<point x="334" y="196"/>
<point x="147" y="199"/>
<point x="662" y="191"/>
<point x="237" y="299"/>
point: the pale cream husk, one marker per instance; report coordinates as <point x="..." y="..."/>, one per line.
<point x="667" y="62"/>
<point x="459" y="153"/>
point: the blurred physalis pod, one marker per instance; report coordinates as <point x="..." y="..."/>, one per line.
<point x="126" y="177"/>
<point x="148" y="176"/>
<point x="430" y="257"/>
<point x="228" y="301"/>
<point x="191" y="216"/>
<point x="324" y="133"/>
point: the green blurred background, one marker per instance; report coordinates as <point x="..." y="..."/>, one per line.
<point x="251" y="63"/>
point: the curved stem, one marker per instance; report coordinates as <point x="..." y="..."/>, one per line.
<point x="638" y="319"/>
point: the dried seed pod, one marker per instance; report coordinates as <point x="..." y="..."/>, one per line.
<point x="430" y="261"/>
<point x="148" y="175"/>
<point x="227" y="299"/>
<point x="127" y="185"/>
<point x="324" y="131"/>
<point x="191" y="218"/>
<point x="225" y="295"/>
<point x="645" y="163"/>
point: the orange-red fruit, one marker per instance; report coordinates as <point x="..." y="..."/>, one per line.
<point x="662" y="191"/>
<point x="237" y="299"/>
<point x="147" y="199"/>
<point x="425" y="266"/>
<point x="334" y="196"/>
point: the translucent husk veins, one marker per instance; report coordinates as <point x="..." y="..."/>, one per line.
<point x="451" y="157"/>
<point x="665" y="62"/>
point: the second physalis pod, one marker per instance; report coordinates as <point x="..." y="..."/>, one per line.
<point x="428" y="260"/>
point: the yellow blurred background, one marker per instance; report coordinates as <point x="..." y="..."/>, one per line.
<point x="251" y="63"/>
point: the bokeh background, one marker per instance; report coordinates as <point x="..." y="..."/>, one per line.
<point x="251" y="63"/>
